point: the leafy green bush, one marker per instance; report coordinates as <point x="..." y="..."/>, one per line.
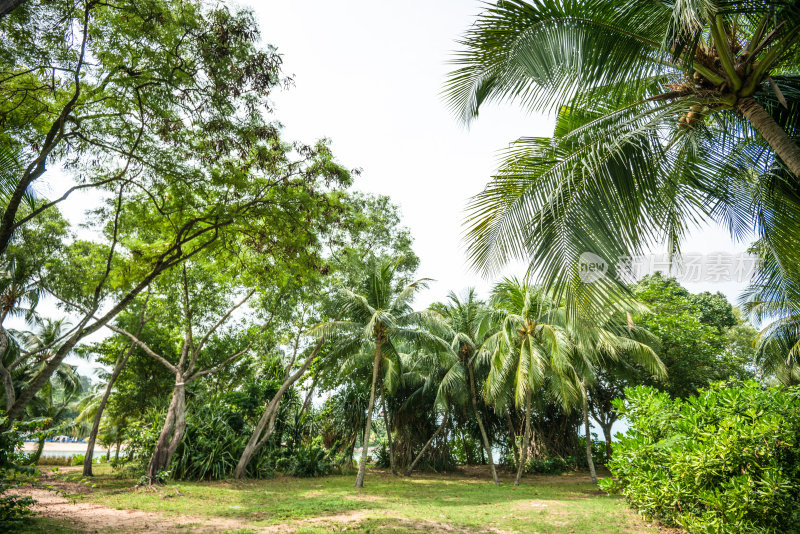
<point x="311" y="460"/>
<point x="13" y="508"/>
<point x="78" y="459"/>
<point x="599" y="456"/>
<point x="726" y="461"/>
<point x="216" y="435"/>
<point x="383" y="458"/>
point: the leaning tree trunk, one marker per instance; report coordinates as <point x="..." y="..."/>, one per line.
<point x="513" y="435"/>
<point x="5" y="374"/>
<point x="428" y="443"/>
<point x="485" y="438"/>
<point x="7" y="6"/>
<point x="388" y="431"/>
<point x="37" y="454"/>
<point x="362" y="464"/>
<point x="171" y="434"/>
<point x="89" y="456"/>
<point x="526" y="439"/>
<point x="588" y="434"/>
<point x="778" y="139"/>
<point x="607" y="436"/>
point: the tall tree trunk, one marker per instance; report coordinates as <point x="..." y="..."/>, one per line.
<point x="362" y="464"/>
<point x="513" y="435"/>
<point x="171" y="433"/>
<point x="88" y="457"/>
<point x="781" y="143"/>
<point x="38" y="453"/>
<point x="526" y="439"/>
<point x="428" y="443"/>
<point x="388" y="426"/>
<point x="5" y="374"/>
<point x="7" y="6"/>
<point x="307" y="402"/>
<point x="485" y="438"/>
<point x="353" y="449"/>
<point x="467" y="457"/>
<point x="588" y="433"/>
<point x="607" y="436"/>
<point x="259" y="436"/>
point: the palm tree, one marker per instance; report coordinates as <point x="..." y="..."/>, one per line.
<point x="469" y="327"/>
<point x="605" y="342"/>
<point x="666" y="114"/>
<point x="389" y="378"/>
<point x="774" y="298"/>
<point x="19" y="296"/>
<point x="375" y="318"/>
<point x="529" y="351"/>
<point x="56" y="401"/>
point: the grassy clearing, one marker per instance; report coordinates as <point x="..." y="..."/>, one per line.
<point x="465" y="502"/>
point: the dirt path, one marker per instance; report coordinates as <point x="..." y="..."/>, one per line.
<point x="90" y="517"/>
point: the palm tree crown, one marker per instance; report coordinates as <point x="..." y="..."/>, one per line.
<point x="667" y="113"/>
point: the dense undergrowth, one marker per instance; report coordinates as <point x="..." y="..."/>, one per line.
<point x="726" y="461"/>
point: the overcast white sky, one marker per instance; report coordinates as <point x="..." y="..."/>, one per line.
<point x="368" y="75"/>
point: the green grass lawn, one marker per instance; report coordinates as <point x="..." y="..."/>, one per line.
<point x="465" y="502"/>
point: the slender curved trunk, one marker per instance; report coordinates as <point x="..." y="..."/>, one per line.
<point x="89" y="456"/>
<point x="485" y="438"/>
<point x="607" y="436"/>
<point x="267" y="421"/>
<point x="362" y="464"/>
<point x="7" y="6"/>
<point x="526" y="439"/>
<point x="464" y="446"/>
<point x="588" y="433"/>
<point x="386" y="423"/>
<point x="5" y="374"/>
<point x="428" y="443"/>
<point x="171" y="433"/>
<point x="37" y="454"/>
<point x="778" y="139"/>
<point x="513" y="435"/>
<point x="307" y="402"/>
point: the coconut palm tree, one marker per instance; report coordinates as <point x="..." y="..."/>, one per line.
<point x="19" y="296"/>
<point x="375" y="317"/>
<point x="469" y="326"/>
<point x="606" y="342"/>
<point x="773" y="298"/>
<point x="528" y="352"/>
<point x="665" y="114"/>
<point x="389" y="378"/>
<point x="56" y="403"/>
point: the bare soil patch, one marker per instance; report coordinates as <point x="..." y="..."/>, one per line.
<point x="91" y="517"/>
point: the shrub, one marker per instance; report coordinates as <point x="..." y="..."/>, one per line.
<point x="78" y="459"/>
<point x="550" y="466"/>
<point x="383" y="458"/>
<point x="13" y="508"/>
<point x="311" y="460"/>
<point x="726" y="461"/>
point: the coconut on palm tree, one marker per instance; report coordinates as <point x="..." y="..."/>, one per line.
<point x="667" y="113"/>
<point x="374" y="317"/>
